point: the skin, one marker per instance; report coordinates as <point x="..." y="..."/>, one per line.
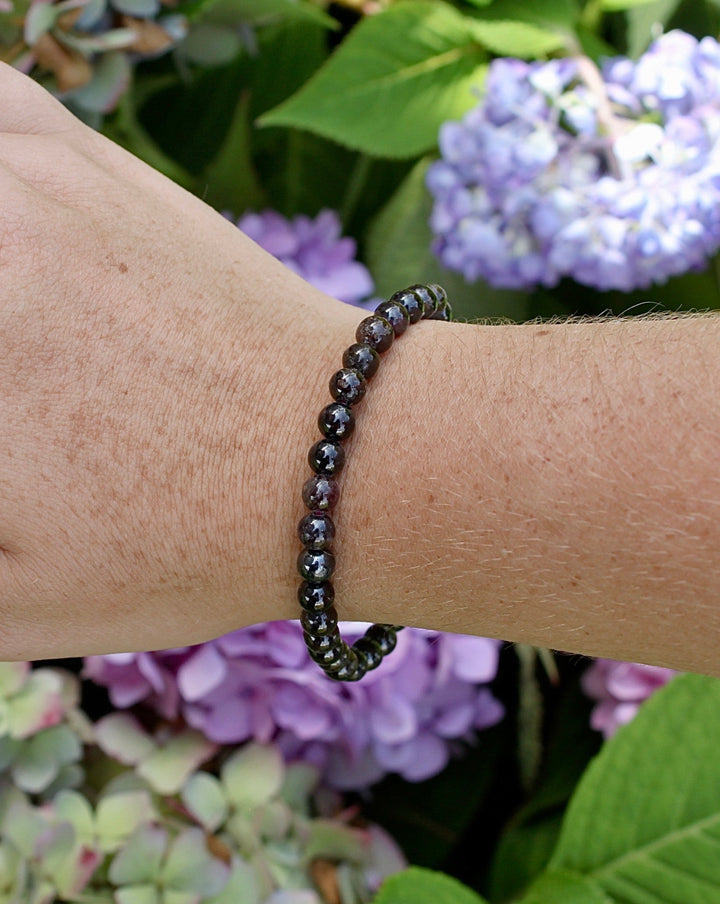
<point x="555" y="484"/>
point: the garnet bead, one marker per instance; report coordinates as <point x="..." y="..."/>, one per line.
<point x="428" y="298"/>
<point x="368" y="652"/>
<point x="316" y="597"/>
<point x="320" y="493"/>
<point x="347" y="386"/>
<point x="316" y="565"/>
<point x="412" y="304"/>
<point x="326" y="457"/>
<point x="376" y="332"/>
<point x="396" y="314"/>
<point x="319" y="624"/>
<point x="336" y="421"/>
<point x="316" y="530"/>
<point x="362" y="358"/>
<point x="329" y="659"/>
<point x="384" y="636"/>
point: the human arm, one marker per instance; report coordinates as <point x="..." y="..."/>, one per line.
<point x="553" y="484"/>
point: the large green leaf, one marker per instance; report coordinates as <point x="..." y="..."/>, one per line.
<point x="423" y="886"/>
<point x="644" y="823"/>
<point x="563" y="887"/>
<point x="640" y="22"/>
<point x="519" y="39"/>
<point x="392" y="82"/>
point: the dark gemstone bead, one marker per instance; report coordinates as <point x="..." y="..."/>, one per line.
<point x="369" y="652"/>
<point x="336" y="421"/>
<point x="443" y="313"/>
<point x="439" y="292"/>
<point x="316" y="531"/>
<point x="428" y="298"/>
<point x="376" y="332"/>
<point x="320" y="493"/>
<point x="362" y="358"/>
<point x="347" y="386"/>
<point x="316" y="565"/>
<point x="319" y="624"/>
<point x="329" y="659"/>
<point x="396" y="314"/>
<point x="412" y="304"/>
<point x="351" y="670"/>
<point x="316" y="597"/>
<point x="326" y="457"/>
<point x="384" y="636"/>
<point x="318" y="644"/>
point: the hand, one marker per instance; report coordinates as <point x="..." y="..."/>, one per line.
<point x="152" y="363"/>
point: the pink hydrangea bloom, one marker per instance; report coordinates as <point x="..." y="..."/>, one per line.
<point x="259" y="683"/>
<point x="620" y="688"/>
<point x="314" y="249"/>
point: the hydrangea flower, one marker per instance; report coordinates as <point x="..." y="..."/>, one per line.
<point x="314" y="249"/>
<point x="258" y="683"/>
<point x="611" y="178"/>
<point x="620" y="689"/>
<point x="89" y="47"/>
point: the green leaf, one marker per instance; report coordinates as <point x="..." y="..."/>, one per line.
<point x="392" y="82"/>
<point x="258" y="12"/>
<point x="518" y="39"/>
<point x="563" y="887"/>
<point x="562" y="14"/>
<point x="399" y="253"/>
<point x="122" y="737"/>
<point x="616" y="6"/>
<point x="641" y="19"/>
<point x="644" y="823"/>
<point x="423" y="886"/>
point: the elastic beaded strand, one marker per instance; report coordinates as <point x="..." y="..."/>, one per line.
<point x="316" y="531"/>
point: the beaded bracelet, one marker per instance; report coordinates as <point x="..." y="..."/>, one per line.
<point x="320" y="493"/>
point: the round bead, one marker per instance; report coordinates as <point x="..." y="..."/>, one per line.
<point x="319" y="624"/>
<point x="362" y="358"/>
<point x="336" y="421"/>
<point x="428" y="299"/>
<point x="320" y="493"/>
<point x="376" y="332"/>
<point x="350" y="670"/>
<point x="439" y="293"/>
<point x="396" y="314"/>
<point x="316" y="597"/>
<point x="329" y="659"/>
<point x="384" y="636"/>
<point x="318" y="644"/>
<point x="316" y="530"/>
<point x="369" y="652"/>
<point x="412" y="304"/>
<point x="316" y="565"/>
<point x="443" y="313"/>
<point x="347" y="386"/>
<point x="326" y="457"/>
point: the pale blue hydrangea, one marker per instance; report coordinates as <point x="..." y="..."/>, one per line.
<point x="611" y="178"/>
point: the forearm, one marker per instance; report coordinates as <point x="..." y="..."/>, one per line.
<point x="551" y="484"/>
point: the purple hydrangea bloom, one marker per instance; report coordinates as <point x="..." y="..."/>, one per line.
<point x="611" y="178"/>
<point x="258" y="683"/>
<point x="620" y="688"/>
<point x="314" y="249"/>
